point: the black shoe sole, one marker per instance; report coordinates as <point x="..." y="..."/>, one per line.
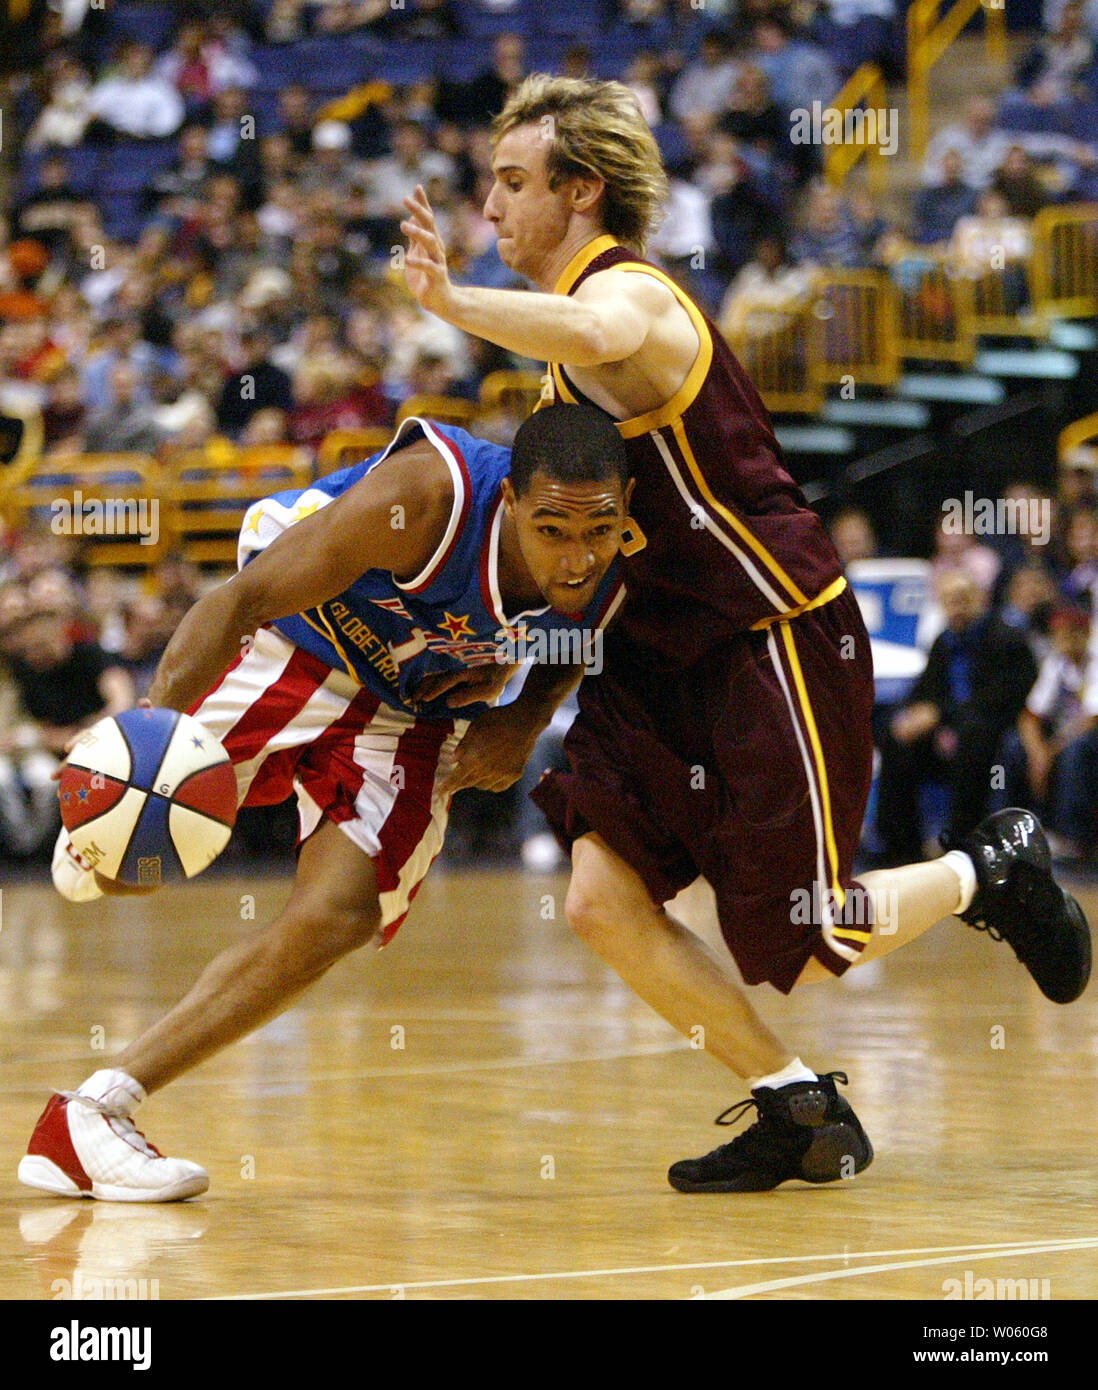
<point x="1081" y="928"/>
<point x="830" y="1148"/>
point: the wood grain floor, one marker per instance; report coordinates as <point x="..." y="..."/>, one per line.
<point x="483" y="1111"/>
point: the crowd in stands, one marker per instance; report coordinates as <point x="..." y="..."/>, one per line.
<point x="1006" y="711"/>
<point x="202" y="239"/>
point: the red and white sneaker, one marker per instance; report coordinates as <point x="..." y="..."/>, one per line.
<point x="86" y="1145"/>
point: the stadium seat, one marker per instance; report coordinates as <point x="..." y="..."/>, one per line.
<point x="515" y="392"/>
<point x="484" y="19"/>
<point x="210" y="489"/>
<point x="20" y="442"/>
<point x="148" y="22"/>
<point x="130" y="166"/>
<point x="451" y="410"/>
<point x="342" y="448"/>
<point x="76" y="492"/>
<point x="574" y="22"/>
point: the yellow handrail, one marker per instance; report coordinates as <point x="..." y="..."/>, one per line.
<point x="928" y="37"/>
<point x="867" y="84"/>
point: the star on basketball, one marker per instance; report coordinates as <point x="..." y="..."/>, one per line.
<point x="457" y="627"/>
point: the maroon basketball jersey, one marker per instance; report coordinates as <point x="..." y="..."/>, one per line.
<point x="721" y="538"/>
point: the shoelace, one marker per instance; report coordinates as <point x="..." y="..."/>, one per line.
<point x="735" y="1112"/>
<point x="112" y="1112"/>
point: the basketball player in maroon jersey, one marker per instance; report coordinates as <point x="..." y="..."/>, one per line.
<point x="728" y="735"/>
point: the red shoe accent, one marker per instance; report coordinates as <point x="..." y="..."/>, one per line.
<point x="51" y="1139"/>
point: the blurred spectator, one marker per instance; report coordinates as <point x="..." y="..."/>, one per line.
<point x="827" y="236"/>
<point x="257" y="385"/>
<point x="63" y="685"/>
<point x="295" y="111"/>
<point x="1029" y="597"/>
<point x="978" y="674"/>
<point x="753" y="116"/>
<point x="132" y="100"/>
<point x="65" y="117"/>
<point x="853" y="536"/>
<point x="705" y="86"/>
<point x="766" y="291"/>
<point x="1081" y="584"/>
<point x="177" y="192"/>
<point x="1053" y="70"/>
<point x="391" y="180"/>
<point x="330" y="395"/>
<point x="1017" y="184"/>
<point x="231" y="144"/>
<point x="800" y="71"/>
<point x="642" y="77"/>
<point x="1052" y="763"/>
<point x="148" y="627"/>
<point x="478" y="101"/>
<point x="957" y="551"/>
<point x="64" y="414"/>
<point x="683" y="243"/>
<point x="1076" y="480"/>
<point x="990" y="240"/>
<point x="939" y="206"/>
<point x="127" y="424"/>
<point x="29" y="813"/>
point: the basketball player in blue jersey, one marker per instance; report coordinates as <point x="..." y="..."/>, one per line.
<point x="325" y="668"/>
<point x="728" y="736"/>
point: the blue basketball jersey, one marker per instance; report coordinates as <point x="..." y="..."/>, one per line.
<point x="389" y="635"/>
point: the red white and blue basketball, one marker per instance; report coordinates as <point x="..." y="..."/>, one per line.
<point x="148" y="796"/>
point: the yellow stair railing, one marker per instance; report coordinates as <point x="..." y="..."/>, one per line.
<point x="929" y="34"/>
<point x="868" y="85"/>
<point x="1065" y="261"/>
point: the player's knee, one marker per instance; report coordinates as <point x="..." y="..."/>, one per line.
<point x="589" y="914"/>
<point x="317" y="939"/>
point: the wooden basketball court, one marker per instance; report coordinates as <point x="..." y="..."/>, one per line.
<point x="483" y="1111"/>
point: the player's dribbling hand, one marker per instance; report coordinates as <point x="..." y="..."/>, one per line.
<point x="468" y="687"/>
<point x="425" y="271"/>
<point x="492" y="755"/>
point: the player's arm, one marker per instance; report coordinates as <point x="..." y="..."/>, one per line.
<point x="498" y="743"/>
<point x="392" y="519"/>
<point x="606" y="320"/>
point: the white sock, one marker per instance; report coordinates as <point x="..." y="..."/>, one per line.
<point x="965" y="870"/>
<point x="795" y="1071"/>
<point x="115" y="1088"/>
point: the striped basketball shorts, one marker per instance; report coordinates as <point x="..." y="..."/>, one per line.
<point x="290" y="724"/>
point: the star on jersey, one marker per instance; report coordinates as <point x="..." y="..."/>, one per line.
<point x="457" y="627"/>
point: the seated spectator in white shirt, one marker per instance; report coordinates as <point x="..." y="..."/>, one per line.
<point x="67" y="113"/>
<point x="1052" y="764"/>
<point x="132" y="100"/>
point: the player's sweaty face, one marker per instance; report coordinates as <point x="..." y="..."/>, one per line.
<point x="569" y="534"/>
<point x="530" y="218"/>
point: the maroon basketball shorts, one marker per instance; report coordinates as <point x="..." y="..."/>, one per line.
<point x="750" y="768"/>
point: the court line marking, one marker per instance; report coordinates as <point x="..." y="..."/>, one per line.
<point x="798" y="1280"/>
<point x="998" y="1250"/>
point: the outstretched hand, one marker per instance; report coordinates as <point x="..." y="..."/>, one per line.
<point x="425" y="271"/>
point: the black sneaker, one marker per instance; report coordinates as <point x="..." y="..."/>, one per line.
<point x="805" y="1130"/>
<point x="1018" y="901"/>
